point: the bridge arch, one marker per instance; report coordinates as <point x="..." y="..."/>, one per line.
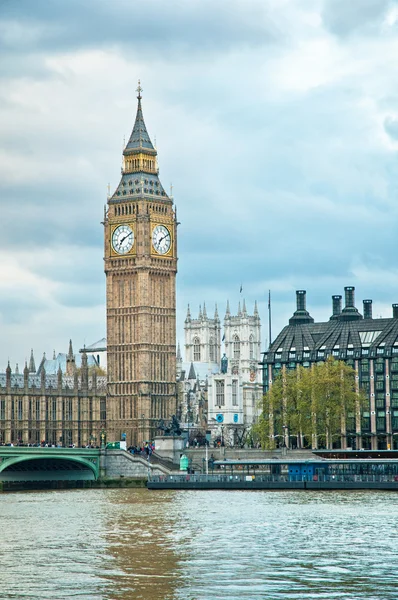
<point x="56" y="467"/>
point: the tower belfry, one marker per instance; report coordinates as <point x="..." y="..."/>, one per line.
<point x="140" y="266"/>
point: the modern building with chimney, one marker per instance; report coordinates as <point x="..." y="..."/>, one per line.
<point x="369" y="345"/>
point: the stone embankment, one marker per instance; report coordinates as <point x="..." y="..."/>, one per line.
<point x="121" y="464"/>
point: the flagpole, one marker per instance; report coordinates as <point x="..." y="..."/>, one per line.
<point x="269" y="320"/>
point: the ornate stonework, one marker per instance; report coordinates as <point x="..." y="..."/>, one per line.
<point x="140" y="266"/>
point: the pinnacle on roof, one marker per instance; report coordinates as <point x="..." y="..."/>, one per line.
<point x="139" y="138"/>
<point x="188" y="317"/>
<point x="54" y="357"/>
<point x="239" y="310"/>
<point x="244" y="311"/>
<point x="216" y="317"/>
<point x="192" y="374"/>
<point x="200" y="316"/>
<point x="204" y="311"/>
<point x="255" y="309"/>
<point x="70" y="352"/>
<point x="32" y="366"/>
<point x="227" y="311"/>
<point x="179" y="352"/>
<point x="16" y="369"/>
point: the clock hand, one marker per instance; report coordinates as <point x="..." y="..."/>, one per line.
<point x="125" y="237"/>
<point x="164" y="237"/>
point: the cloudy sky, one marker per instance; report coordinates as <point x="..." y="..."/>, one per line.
<point x="275" y="120"/>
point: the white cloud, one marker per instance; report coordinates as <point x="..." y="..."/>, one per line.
<point x="277" y="130"/>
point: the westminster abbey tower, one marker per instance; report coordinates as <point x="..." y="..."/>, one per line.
<point x="140" y="266"/>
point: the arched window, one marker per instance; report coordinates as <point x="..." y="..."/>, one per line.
<point x="251" y="347"/>
<point x="212" y="354"/>
<point x="196" y="349"/>
<point x="236" y="342"/>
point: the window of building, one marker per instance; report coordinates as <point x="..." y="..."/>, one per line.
<point x="234" y="392"/>
<point x="365" y="366"/>
<point x="19" y="410"/>
<point x="367" y="337"/>
<point x="103" y="410"/>
<point x="251" y="347"/>
<point x="379" y="365"/>
<point x="212" y="354"/>
<point x="236" y="342"/>
<point x="220" y="392"/>
<point x="2" y="410"/>
<point x="381" y="420"/>
<point x="380" y="384"/>
<point x="196" y="349"/>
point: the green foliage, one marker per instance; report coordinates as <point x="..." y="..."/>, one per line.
<point x="309" y="402"/>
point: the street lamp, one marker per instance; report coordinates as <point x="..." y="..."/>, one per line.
<point x="103" y="437"/>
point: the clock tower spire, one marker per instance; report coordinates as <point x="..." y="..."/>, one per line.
<point x="140" y="266"/>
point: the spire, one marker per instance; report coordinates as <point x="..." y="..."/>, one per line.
<point x="84" y="358"/>
<point x="255" y="309"/>
<point x="54" y="357"/>
<point x="204" y="311"/>
<point x="188" y="317"/>
<point x="16" y="369"/>
<point x="192" y="374"/>
<point x="178" y="352"/>
<point x="8" y="375"/>
<point x="227" y="312"/>
<point x="200" y="315"/>
<point x="70" y="352"/>
<point x="32" y="366"/>
<point x="26" y="374"/>
<point x="239" y="310"/>
<point x="139" y="138"/>
<point x="140" y="173"/>
<point x="244" y="311"/>
<point x="216" y="317"/>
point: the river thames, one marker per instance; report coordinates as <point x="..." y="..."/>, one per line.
<point x="185" y="545"/>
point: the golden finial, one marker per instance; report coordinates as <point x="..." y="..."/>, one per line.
<point x="109" y="190"/>
<point x="171" y="189"/>
<point x="139" y="90"/>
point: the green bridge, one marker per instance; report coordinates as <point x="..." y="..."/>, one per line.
<point x="20" y="463"/>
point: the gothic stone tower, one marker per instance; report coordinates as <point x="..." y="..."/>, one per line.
<point x="140" y="267"/>
<point x="202" y="337"/>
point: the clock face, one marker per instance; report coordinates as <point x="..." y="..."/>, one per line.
<point x="122" y="239"/>
<point x="161" y="239"/>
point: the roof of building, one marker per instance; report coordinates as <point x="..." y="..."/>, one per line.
<point x="198" y="370"/>
<point x="99" y="346"/>
<point x="51" y="382"/>
<point x="340" y="335"/>
<point x="139" y="137"/>
<point x="51" y="366"/>
<point x="139" y="184"/>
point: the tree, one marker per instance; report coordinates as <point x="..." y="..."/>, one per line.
<point x="310" y="404"/>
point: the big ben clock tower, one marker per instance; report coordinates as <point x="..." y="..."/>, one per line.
<point x="140" y="266"/>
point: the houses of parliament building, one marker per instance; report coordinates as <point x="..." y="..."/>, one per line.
<point x="68" y="400"/>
